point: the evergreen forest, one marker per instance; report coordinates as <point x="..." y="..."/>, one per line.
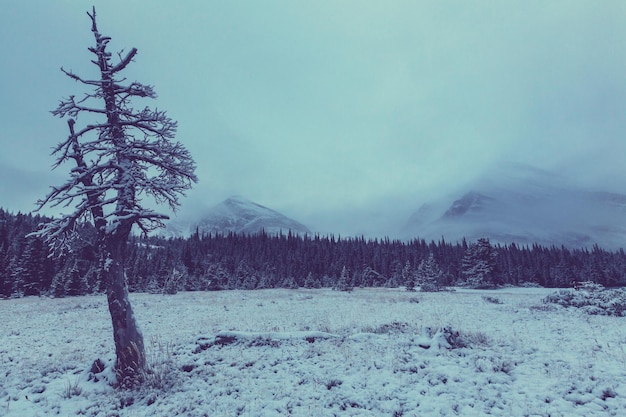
<point x="232" y="261"/>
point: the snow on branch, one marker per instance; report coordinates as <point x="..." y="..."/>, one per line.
<point x="79" y="79"/>
<point x="125" y="61"/>
<point x="119" y="160"/>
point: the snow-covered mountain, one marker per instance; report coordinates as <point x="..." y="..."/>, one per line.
<point x="239" y="215"/>
<point x="525" y="205"/>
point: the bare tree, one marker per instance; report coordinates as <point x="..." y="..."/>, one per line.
<point x="116" y="162"/>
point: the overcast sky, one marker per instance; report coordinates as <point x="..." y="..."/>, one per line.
<point x="336" y="113"/>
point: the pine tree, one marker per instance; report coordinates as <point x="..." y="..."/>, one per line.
<point x="343" y="283"/>
<point x="118" y="161"/>
<point x="289" y="283"/>
<point x="369" y="277"/>
<point x="408" y="277"/>
<point x="58" y="286"/>
<point x="395" y="276"/>
<point x="216" y="277"/>
<point x="33" y="262"/>
<point x="309" y="282"/>
<point x="429" y="275"/>
<point x="479" y="265"/>
<point x="174" y="281"/>
<point x="5" y="281"/>
<point x="16" y="274"/>
<point x="76" y="283"/>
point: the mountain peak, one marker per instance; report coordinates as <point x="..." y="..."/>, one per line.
<point x="470" y="202"/>
<point x="242" y="203"/>
<point x="240" y="215"/>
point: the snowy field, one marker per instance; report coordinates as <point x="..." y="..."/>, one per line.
<point x="372" y="352"/>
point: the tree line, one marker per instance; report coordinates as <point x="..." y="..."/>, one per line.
<point x="234" y="261"/>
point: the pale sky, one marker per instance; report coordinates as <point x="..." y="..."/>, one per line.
<point x="342" y="114"/>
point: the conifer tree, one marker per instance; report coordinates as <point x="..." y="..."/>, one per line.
<point x="125" y="156"/>
<point x="16" y="274"/>
<point x="309" y="282"/>
<point x="408" y="277"/>
<point x="343" y="283"/>
<point x="369" y="277"/>
<point x="429" y="275"/>
<point x="479" y="265"/>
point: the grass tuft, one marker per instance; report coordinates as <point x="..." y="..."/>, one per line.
<point x="71" y="388"/>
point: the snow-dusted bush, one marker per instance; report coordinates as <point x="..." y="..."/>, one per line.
<point x="590" y="286"/>
<point x="597" y="302"/>
<point x="463" y="339"/>
<point x="474" y="339"/>
<point x="171" y="284"/>
<point x="414" y="300"/>
<point x="388" y="328"/>
<point x="492" y="300"/>
<point x="493" y="364"/>
<point x="446" y="337"/>
<point x="542" y="307"/>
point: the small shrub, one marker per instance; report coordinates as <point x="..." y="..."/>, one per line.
<point x="188" y="367"/>
<point x="458" y="339"/>
<point x="451" y="339"/>
<point x="608" y="392"/>
<point x="474" y="338"/>
<point x="561" y="297"/>
<point x="430" y="287"/>
<point x="264" y="341"/>
<point x="454" y="338"/>
<point x="593" y="310"/>
<point x="543" y="307"/>
<point x="492" y="300"/>
<point x="494" y="364"/>
<point x="590" y="286"/>
<point x="388" y="328"/>
<point x="527" y="284"/>
<point x="324" y="325"/>
<point x="596" y="302"/>
<point x="333" y="383"/>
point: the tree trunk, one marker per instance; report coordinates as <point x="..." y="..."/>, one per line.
<point x="129" y="346"/>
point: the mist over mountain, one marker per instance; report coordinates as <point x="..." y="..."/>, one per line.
<point x="524" y="205"/>
<point x="510" y="204"/>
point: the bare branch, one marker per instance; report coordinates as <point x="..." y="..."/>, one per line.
<point x="77" y="78"/>
<point x="92" y="16"/>
<point x="125" y="61"/>
<point x="114" y="164"/>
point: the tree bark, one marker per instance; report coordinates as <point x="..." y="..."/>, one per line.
<point x="129" y="344"/>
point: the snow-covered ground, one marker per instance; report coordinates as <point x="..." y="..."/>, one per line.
<point x="372" y="352"/>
